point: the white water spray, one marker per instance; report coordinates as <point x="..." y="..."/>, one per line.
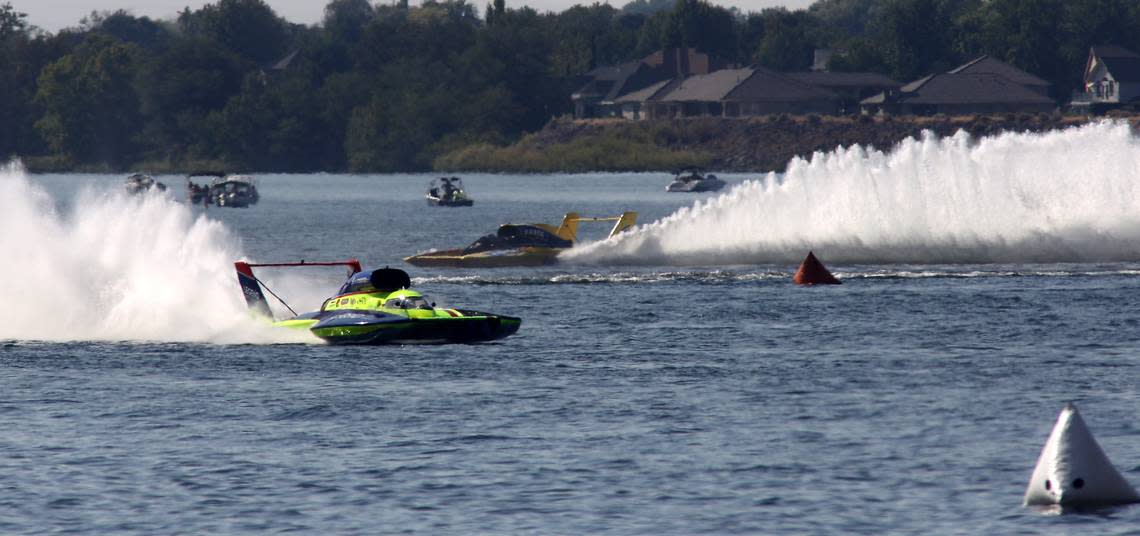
<point x="1063" y="196"/>
<point x="118" y="268"/>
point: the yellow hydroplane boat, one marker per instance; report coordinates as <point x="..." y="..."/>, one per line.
<point x="530" y="244"/>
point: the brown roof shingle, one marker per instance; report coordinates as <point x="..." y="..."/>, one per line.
<point x="754" y="84"/>
<point x="960" y="88"/>
<point x="836" y="79"/>
<point x="989" y="65"/>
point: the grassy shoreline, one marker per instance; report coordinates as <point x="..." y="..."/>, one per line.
<point x="758" y="144"/>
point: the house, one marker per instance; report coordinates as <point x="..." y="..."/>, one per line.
<point x="989" y="65"/>
<point x="602" y="86"/>
<point x="606" y="83"/>
<point x="850" y="87"/>
<point x="982" y="85"/>
<point x="633" y="105"/>
<point x="957" y="93"/>
<point x="731" y="93"/>
<point x="1111" y="78"/>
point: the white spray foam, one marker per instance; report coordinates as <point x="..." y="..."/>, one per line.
<point x="1064" y="196"/>
<point x="118" y="268"/>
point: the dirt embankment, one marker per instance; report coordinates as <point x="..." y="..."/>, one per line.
<point x="745" y="144"/>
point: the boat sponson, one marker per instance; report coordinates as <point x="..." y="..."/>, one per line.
<point x="454" y="258"/>
<point x="373" y="327"/>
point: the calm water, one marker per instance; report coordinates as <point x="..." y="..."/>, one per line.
<point x="634" y="400"/>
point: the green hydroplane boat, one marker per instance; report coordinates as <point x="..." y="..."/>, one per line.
<point x="378" y="307"/>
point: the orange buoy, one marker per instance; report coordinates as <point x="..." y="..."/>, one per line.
<point x="813" y="272"/>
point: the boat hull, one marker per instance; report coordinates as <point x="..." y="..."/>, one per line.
<point x="455" y="258"/>
<point x="437" y="202"/>
<point x="374" y="328"/>
<point x="703" y="185"/>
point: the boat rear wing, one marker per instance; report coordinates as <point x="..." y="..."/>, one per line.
<point x="569" y="228"/>
<point x="251" y="285"/>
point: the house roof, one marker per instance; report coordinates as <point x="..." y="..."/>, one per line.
<point x="963" y="88"/>
<point x="747" y="84"/>
<point x="989" y="65"/>
<point x="593" y="89"/>
<point x="1121" y="63"/>
<point x="714" y="86"/>
<point x="641" y="77"/>
<point x="845" y="80"/>
<point x="610" y="82"/>
<point x="769" y="86"/>
<point x="649" y="93"/>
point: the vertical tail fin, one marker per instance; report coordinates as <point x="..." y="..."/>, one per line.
<point x="251" y="289"/>
<point x="627" y="220"/>
<point x="569" y="228"/>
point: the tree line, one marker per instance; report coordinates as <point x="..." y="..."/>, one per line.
<point x="392" y="87"/>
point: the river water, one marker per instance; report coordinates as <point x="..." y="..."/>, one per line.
<point x="671" y="382"/>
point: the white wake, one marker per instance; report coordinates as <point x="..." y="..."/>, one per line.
<point x="1063" y="196"/>
<point x="118" y="268"/>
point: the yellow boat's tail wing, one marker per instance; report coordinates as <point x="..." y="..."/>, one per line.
<point x="627" y="220"/>
<point x="569" y="228"/>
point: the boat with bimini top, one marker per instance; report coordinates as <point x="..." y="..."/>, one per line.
<point x="239" y="191"/>
<point x="448" y="192"/>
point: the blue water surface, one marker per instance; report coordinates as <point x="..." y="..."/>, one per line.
<point x="645" y="400"/>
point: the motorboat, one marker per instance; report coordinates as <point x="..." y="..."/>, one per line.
<point x="379" y="307"/>
<point x="138" y="183"/>
<point x="530" y="244"/>
<point x="199" y="194"/>
<point x="448" y="192"/>
<point x="239" y="191"/>
<point x="694" y="180"/>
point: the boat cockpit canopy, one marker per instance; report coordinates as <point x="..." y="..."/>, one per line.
<point x="381" y="280"/>
<point x="407" y="302"/>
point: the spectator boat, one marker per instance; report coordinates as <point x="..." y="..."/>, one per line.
<point x="448" y="192"/>
<point x="694" y="180"/>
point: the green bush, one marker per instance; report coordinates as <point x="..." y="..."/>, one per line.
<point x="611" y="150"/>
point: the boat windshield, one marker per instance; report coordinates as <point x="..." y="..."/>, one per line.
<point x="408" y="302"/>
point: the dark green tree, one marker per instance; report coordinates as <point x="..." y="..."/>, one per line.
<point x="701" y="25"/>
<point x="345" y="19"/>
<point x="91" y="110"/>
<point x="249" y="28"/>
<point x="179" y="89"/>
<point x="647" y="7"/>
<point x="12" y="22"/>
<point x="785" y="45"/>
<point x="915" y="38"/>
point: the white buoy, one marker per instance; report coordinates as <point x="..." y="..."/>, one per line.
<point x="1074" y="471"/>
